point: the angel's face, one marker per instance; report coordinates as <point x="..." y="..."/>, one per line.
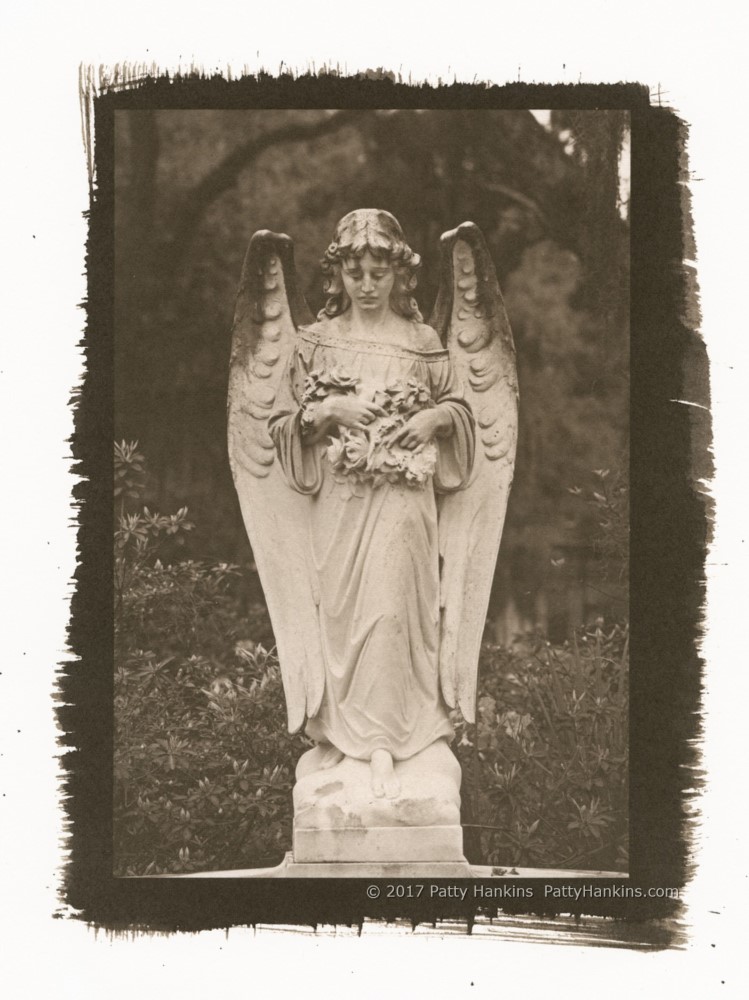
<point x="368" y="281"/>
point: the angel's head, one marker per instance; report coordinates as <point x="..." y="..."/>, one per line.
<point x="369" y="246"/>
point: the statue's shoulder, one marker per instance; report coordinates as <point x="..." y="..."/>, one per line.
<point x="426" y="338"/>
<point x="319" y="328"/>
<point x="325" y="330"/>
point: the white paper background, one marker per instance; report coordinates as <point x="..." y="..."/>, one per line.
<point x="693" y="52"/>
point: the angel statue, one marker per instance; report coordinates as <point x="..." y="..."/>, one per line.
<point x="373" y="456"/>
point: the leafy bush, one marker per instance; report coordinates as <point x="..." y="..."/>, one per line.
<point x="203" y="764"/>
<point x="608" y="502"/>
<point x="545" y="766"/>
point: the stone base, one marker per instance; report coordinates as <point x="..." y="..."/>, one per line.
<point x="414" y="870"/>
<point x="339" y="819"/>
<point x="291" y="869"/>
<point x="379" y="844"/>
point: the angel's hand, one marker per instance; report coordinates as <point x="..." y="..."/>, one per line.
<point x="422" y="428"/>
<point x="350" y="410"/>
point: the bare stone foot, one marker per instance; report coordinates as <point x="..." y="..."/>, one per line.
<point x="384" y="782"/>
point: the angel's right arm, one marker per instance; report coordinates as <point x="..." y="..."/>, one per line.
<point x="300" y="460"/>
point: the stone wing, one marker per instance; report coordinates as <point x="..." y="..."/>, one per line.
<point x="268" y="310"/>
<point x="470" y="317"/>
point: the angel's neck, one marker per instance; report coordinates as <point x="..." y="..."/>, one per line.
<point x="360" y="326"/>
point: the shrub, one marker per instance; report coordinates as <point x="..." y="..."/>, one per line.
<point x="545" y="766"/>
<point x="203" y="765"/>
<point x="608" y="503"/>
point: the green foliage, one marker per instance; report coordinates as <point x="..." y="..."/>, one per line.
<point x="128" y="473"/>
<point x="610" y="504"/>
<point x="203" y="764"/>
<point x="140" y="536"/>
<point x="607" y="500"/>
<point x="545" y="765"/>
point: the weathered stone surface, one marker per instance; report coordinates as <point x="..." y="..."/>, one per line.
<point x="372" y="869"/>
<point x="391" y="870"/>
<point x="374" y="505"/>
<point x="337" y="817"/>
<point x="379" y="844"/>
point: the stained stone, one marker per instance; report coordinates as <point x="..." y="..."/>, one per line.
<point x="337" y="817"/>
<point x="377" y="591"/>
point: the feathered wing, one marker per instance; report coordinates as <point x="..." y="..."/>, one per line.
<point x="470" y="317"/>
<point x="268" y="310"/>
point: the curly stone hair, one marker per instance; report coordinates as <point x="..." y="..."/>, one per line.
<point x="370" y="229"/>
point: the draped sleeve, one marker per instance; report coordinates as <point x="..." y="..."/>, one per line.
<point x="455" y="450"/>
<point x="300" y="462"/>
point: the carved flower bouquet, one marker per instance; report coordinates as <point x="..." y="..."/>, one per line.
<point x="369" y="455"/>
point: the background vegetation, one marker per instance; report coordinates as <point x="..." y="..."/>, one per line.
<point x="204" y="766"/>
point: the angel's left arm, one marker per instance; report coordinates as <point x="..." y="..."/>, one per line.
<point x="455" y="447"/>
<point x="300" y="463"/>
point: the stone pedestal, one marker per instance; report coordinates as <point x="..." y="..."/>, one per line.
<point x="289" y="868"/>
<point x="339" y="820"/>
<point x="401" y="869"/>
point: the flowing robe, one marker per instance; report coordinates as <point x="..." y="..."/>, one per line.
<point x="373" y="555"/>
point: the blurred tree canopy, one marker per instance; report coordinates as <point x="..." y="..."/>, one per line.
<point x="192" y="187"/>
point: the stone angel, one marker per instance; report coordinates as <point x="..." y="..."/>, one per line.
<point x="373" y="456"/>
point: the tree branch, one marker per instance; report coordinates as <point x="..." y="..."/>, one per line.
<point x="518" y="197"/>
<point x="224" y="175"/>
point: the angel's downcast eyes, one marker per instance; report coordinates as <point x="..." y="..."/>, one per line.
<point x="377" y="274"/>
<point x="369" y="280"/>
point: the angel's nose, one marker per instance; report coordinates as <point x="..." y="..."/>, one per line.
<point x="367" y="283"/>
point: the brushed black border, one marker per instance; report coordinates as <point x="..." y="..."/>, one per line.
<point x="668" y="517"/>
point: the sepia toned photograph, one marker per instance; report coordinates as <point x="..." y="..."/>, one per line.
<point x="370" y="403"/>
<point x="371" y="379"/>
